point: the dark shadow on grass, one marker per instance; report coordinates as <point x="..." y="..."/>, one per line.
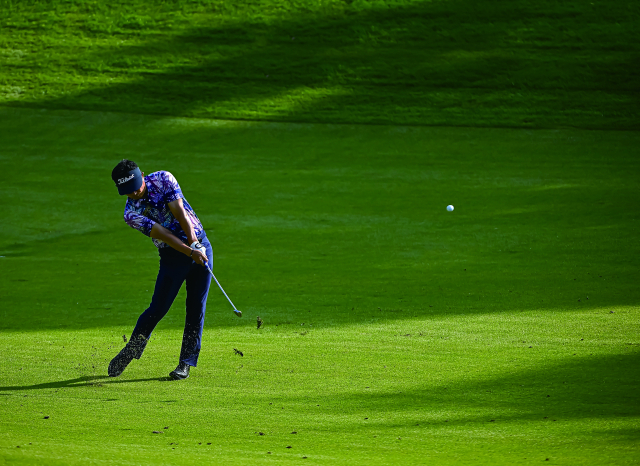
<point x="306" y="256"/>
<point x="589" y="388"/>
<point x="441" y="62"/>
<point x="85" y="381"/>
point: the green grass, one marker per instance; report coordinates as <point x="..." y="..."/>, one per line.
<point x="542" y="64"/>
<point x="505" y="332"/>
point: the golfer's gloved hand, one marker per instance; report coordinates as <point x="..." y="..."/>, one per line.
<point x="198" y="247"/>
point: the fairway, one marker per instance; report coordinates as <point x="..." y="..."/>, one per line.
<point x="395" y="332"/>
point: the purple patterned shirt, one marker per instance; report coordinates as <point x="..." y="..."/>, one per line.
<point x="142" y="214"/>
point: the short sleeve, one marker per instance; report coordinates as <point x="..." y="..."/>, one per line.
<point x="138" y="221"/>
<point x="171" y="188"/>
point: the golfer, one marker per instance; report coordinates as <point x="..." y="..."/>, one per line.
<point x="157" y="208"/>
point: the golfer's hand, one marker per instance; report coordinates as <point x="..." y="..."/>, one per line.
<point x="199" y="257"/>
<point x="199" y="253"/>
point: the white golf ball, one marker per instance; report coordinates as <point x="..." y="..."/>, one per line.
<point x="450" y="208"/>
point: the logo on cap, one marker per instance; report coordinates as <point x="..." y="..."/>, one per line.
<point x="128" y="178"/>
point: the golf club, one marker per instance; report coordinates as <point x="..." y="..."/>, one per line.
<point x="237" y="312"/>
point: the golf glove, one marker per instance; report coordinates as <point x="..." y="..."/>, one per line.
<point x="199" y="247"/>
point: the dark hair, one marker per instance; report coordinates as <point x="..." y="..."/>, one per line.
<point x="123" y="168"/>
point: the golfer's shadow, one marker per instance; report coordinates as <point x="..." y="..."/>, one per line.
<point x="85" y="381"/>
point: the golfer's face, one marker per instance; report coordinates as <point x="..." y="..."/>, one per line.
<point x="139" y="194"/>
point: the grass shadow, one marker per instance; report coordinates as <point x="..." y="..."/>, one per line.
<point x="85" y="381"/>
<point x="590" y="388"/>
<point x="437" y="63"/>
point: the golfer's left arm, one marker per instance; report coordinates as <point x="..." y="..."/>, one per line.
<point x="177" y="209"/>
<point x="161" y="233"/>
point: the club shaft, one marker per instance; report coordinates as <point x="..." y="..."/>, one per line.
<point x="222" y="289"/>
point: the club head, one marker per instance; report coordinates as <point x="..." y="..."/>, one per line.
<point x="237" y="312"/>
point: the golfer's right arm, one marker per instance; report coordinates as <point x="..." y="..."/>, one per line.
<point x="161" y="233"/>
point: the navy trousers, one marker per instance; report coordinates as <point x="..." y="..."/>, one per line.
<point x="175" y="269"/>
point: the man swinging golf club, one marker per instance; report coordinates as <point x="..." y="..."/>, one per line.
<point x="157" y="208"/>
